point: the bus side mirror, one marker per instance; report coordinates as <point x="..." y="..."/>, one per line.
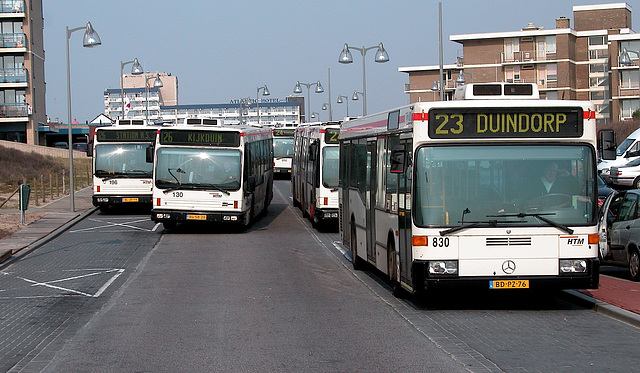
<point x="607" y="144"/>
<point x="90" y="149"/>
<point x="398" y="160"/>
<point x="251" y="183"/>
<point x="149" y="154"/>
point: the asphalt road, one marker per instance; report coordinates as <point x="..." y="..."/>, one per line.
<point x="117" y="293"/>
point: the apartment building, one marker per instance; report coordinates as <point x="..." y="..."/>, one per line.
<point x="598" y="59"/>
<point x="22" y="83"/>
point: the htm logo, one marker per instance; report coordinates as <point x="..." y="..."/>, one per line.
<point x="575" y="241"/>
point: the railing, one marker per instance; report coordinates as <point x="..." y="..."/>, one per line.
<point x="12" y="6"/>
<point x="13" y="41"/>
<point x="526" y="56"/>
<point x="14" y="110"/>
<point x="15" y="75"/>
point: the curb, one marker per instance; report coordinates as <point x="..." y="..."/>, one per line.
<point x="604" y="308"/>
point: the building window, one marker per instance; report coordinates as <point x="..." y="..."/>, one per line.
<point x="597" y="68"/>
<point x="598" y="40"/>
<point x="551" y="44"/>
<point x="596" y="95"/>
<point x="552" y="72"/>
<point x="629" y="79"/>
<point x="598" y="54"/>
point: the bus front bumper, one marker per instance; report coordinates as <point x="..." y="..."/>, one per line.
<point x="162" y="216"/>
<point x="588" y="280"/>
<point x="99" y="200"/>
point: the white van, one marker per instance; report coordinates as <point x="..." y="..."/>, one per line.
<point x="628" y="151"/>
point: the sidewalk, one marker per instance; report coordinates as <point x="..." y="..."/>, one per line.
<point x="617" y="298"/>
<point x="58" y="217"/>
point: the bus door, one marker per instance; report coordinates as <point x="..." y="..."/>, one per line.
<point x="314" y="175"/>
<point x="404" y="218"/>
<point x="370" y="201"/>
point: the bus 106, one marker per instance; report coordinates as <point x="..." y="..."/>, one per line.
<point x="314" y="171"/>
<point x="211" y="173"/>
<point x="121" y="176"/>
<point x="496" y="189"/>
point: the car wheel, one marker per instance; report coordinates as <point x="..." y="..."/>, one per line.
<point x="634" y="265"/>
<point x="636" y="183"/>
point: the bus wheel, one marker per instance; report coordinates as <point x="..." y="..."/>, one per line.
<point x="357" y="262"/>
<point x="169" y="225"/>
<point x="104" y="209"/>
<point x="392" y="267"/>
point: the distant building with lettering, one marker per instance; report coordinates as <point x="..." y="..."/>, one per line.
<point x="586" y="62"/>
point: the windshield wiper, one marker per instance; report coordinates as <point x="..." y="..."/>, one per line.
<point x="476" y="224"/>
<point x="537" y="216"/>
<point x="179" y="170"/>
<point x="196" y="187"/>
<point x="139" y="172"/>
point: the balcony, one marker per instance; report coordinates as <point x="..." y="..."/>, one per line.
<point x="526" y="57"/>
<point x="11" y="6"/>
<point x="15" y="75"/>
<point x="14" y="111"/>
<point x="13" y="41"/>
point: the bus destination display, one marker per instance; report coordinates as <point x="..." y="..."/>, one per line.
<point x="202" y="138"/>
<point x="283" y="132"/>
<point x="538" y="122"/>
<point x="332" y="135"/>
<point x="128" y="135"/>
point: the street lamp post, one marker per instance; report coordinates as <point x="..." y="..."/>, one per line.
<point x="340" y="97"/>
<point x="380" y="57"/>
<point x="90" y="39"/>
<point x="355" y="97"/>
<point x="156" y="84"/>
<point x="298" y="89"/>
<point x="265" y="92"/>
<point x="136" y="69"/>
<point x="625" y="60"/>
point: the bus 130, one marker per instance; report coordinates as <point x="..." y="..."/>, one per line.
<point x="314" y="171"/>
<point x="211" y="174"/>
<point x="282" y="150"/>
<point x="120" y="174"/>
<point x="496" y="190"/>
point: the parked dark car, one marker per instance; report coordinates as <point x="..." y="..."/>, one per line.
<point x="80" y="146"/>
<point x="603" y="191"/>
<point x="61" y="145"/>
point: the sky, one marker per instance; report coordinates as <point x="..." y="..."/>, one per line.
<point x="223" y="50"/>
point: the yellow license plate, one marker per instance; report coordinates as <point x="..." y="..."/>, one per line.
<point x="133" y="199"/>
<point x="196" y="217"/>
<point x="509" y="284"/>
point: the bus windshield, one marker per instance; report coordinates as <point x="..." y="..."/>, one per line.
<point x="330" y="166"/>
<point x="282" y="147"/>
<point x="198" y="168"/>
<point x="525" y="184"/>
<point x="122" y="160"/>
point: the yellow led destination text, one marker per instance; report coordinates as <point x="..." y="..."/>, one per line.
<point x="522" y="122"/>
<point x="204" y="137"/>
<point x="506" y="123"/>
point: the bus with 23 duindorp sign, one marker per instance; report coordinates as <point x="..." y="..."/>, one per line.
<point x="451" y="194"/>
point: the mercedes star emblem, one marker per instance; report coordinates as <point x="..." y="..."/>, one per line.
<point x="508" y="267"/>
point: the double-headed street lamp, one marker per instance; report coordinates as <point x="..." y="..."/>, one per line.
<point x="625" y="60"/>
<point x="156" y="84"/>
<point x="381" y="57"/>
<point x="265" y="92"/>
<point x="90" y="39"/>
<point x="298" y="89"/>
<point x="136" y="69"/>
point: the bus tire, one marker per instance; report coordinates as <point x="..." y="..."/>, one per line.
<point x="355" y="260"/>
<point x="169" y="225"/>
<point x="392" y="268"/>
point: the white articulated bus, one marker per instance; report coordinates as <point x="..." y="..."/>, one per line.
<point x="121" y="176"/>
<point x="282" y="150"/>
<point x="211" y="174"/>
<point x="495" y="189"/>
<point x="314" y="178"/>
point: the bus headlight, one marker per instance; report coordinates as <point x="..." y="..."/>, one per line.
<point x="568" y="266"/>
<point x="443" y="267"/>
